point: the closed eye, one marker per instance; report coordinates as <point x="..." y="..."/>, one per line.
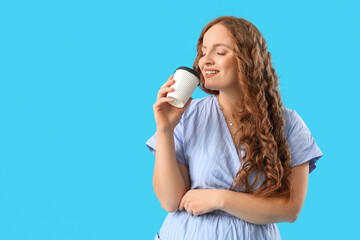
<point x="222" y="54"/>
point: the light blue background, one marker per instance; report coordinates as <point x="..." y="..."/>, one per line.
<point x="77" y="83"/>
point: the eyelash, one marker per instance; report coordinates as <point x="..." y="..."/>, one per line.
<point x="222" y="54"/>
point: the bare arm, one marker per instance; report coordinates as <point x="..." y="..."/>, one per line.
<point x="170" y="180"/>
<point x="268" y="210"/>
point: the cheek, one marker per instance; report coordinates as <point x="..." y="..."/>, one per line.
<point x="200" y="63"/>
<point x="231" y="65"/>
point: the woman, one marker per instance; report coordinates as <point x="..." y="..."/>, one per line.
<point x="233" y="164"/>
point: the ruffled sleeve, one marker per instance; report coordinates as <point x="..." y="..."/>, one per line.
<point x="301" y="142"/>
<point x="178" y="142"/>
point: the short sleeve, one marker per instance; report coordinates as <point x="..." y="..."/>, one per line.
<point x="302" y="144"/>
<point x="178" y="142"/>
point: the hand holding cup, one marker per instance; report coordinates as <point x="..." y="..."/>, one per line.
<point x="166" y="115"/>
<point x="176" y="91"/>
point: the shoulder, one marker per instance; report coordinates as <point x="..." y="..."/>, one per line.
<point x="293" y="122"/>
<point x="289" y="115"/>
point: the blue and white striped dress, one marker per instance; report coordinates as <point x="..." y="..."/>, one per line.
<point x="203" y="142"/>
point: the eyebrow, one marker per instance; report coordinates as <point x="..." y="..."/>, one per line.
<point x="218" y="44"/>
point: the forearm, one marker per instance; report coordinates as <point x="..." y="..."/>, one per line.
<point x="254" y="209"/>
<point x="168" y="182"/>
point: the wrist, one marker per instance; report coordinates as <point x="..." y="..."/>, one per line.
<point x="162" y="131"/>
<point x="220" y="198"/>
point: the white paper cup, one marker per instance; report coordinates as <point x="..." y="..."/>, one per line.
<point x="186" y="81"/>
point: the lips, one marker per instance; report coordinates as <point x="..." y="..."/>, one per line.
<point x="210" y="75"/>
<point x="210" y="72"/>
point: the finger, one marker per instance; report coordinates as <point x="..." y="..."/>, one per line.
<point x="181" y="206"/>
<point x="168" y="83"/>
<point x="186" y="205"/>
<point x="170" y="79"/>
<point x="190" y="212"/>
<point x="164" y="91"/>
<point x="165" y="100"/>
<point x="161" y="101"/>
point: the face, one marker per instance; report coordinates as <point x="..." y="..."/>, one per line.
<point x="218" y="63"/>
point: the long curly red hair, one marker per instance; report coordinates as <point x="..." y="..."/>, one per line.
<point x="258" y="113"/>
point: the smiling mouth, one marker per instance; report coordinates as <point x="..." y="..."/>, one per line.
<point x="209" y="74"/>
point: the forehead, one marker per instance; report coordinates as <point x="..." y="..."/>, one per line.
<point x="217" y="34"/>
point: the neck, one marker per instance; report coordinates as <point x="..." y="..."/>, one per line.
<point x="228" y="102"/>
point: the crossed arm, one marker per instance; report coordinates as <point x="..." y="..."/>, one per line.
<point x="250" y="208"/>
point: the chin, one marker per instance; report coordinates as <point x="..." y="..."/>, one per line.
<point x="210" y="86"/>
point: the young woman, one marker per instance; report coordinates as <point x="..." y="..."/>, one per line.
<point x="233" y="164"/>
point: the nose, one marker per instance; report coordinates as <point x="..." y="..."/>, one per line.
<point x="207" y="60"/>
